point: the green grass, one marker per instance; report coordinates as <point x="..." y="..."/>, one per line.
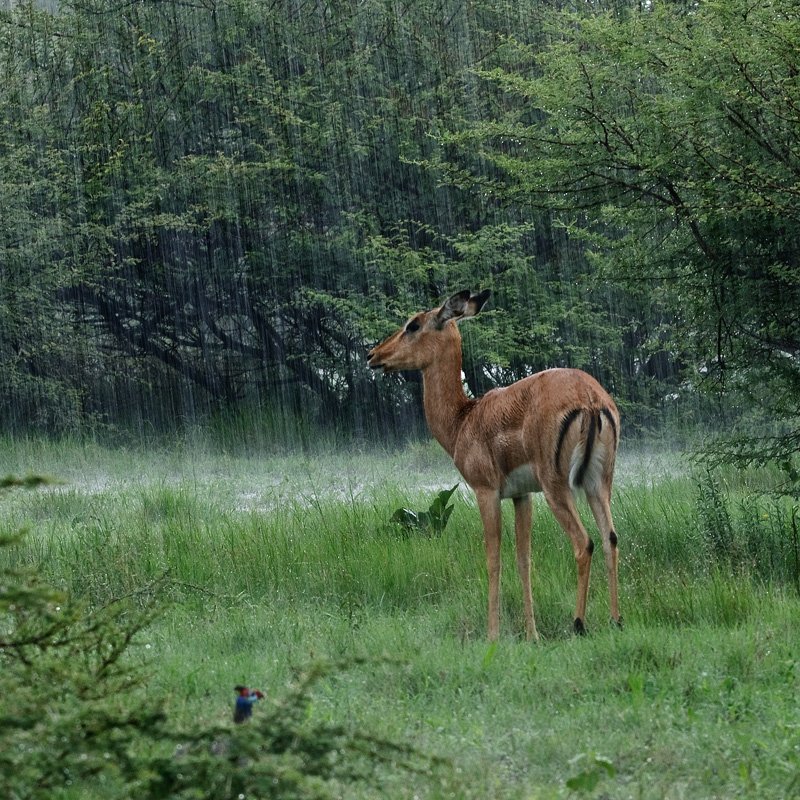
<point x="275" y="563"/>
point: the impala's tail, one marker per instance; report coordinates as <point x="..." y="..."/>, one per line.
<point x="594" y="452"/>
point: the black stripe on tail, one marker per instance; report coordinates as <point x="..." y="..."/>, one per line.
<point x="610" y="417"/>
<point x="594" y="430"/>
<point x="588" y="448"/>
<point x="562" y="433"/>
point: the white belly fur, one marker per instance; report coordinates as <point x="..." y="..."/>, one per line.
<point x="520" y="481"/>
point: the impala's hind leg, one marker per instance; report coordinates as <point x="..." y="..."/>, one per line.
<point x="562" y="504"/>
<point x="599" y="502"/>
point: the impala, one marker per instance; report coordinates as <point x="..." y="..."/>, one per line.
<point x="554" y="432"/>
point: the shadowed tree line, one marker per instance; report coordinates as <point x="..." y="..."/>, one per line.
<point x="219" y="205"/>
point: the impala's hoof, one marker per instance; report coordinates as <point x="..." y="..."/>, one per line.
<point x="617" y="623"/>
<point x="580" y="629"/>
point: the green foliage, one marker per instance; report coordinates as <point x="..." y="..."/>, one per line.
<point x="272" y="565"/>
<point x="210" y="213"/>
<point x="215" y="211"/>
<point x="280" y="753"/>
<point x="665" y="137"/>
<point x="433" y="521"/>
<point x="28" y="482"/>
<point x="717" y="527"/>
<point x="72" y="700"/>
<point x="754" y="532"/>
<point x="75" y="716"/>
<point x="744" y="451"/>
<point x="593" y="769"/>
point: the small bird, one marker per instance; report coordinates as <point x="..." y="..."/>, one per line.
<point x="243" y="709"/>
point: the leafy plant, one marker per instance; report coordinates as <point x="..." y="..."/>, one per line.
<point x="28" y="482"/>
<point x="432" y="521"/>
<point x="595" y="769"/>
<point x="715" y="518"/>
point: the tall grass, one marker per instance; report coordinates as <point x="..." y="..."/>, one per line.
<point x="271" y="564"/>
<point x="689" y="551"/>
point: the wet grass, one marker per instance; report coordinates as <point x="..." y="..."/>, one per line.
<point x="272" y="564"/>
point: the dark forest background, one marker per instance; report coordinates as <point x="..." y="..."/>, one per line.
<point x="210" y="210"/>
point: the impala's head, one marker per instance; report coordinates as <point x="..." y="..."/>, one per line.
<point x="417" y="344"/>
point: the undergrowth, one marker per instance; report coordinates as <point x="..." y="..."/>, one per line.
<point x="695" y="697"/>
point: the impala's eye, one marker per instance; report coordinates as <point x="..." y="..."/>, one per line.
<point x="412" y="326"/>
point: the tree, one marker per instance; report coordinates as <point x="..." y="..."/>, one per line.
<point x="668" y="138"/>
<point x="219" y="205"/>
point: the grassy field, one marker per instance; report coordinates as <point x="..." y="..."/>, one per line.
<point x="274" y="563"/>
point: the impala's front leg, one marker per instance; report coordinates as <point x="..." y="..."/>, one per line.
<point x="523" y="514"/>
<point x="489" y="505"/>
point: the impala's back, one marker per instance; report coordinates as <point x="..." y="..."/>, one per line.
<point x="554" y="428"/>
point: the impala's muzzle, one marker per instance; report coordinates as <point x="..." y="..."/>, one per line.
<point x="373" y="362"/>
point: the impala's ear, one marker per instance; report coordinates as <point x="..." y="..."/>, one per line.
<point x="476" y="302"/>
<point x="454" y="308"/>
<point x="461" y="306"/>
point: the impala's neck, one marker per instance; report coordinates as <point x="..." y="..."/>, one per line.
<point x="443" y="396"/>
